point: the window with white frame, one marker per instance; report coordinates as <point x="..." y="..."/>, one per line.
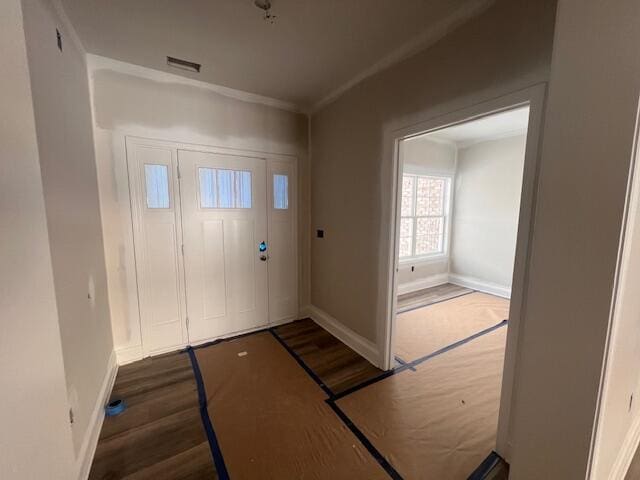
<point x="424" y="212"/>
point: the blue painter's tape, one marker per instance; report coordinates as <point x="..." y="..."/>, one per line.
<point x="115" y="407"/>
<point x="401" y="361"/>
<point x="485" y="468"/>
<point x="216" y="453"/>
<point x="304" y="366"/>
<point x="382" y="461"/>
<point x="411" y="365"/>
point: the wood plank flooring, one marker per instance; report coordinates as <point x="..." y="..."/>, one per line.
<point x="160" y="435"/>
<point x="337" y="365"/>
<point x="422" y="298"/>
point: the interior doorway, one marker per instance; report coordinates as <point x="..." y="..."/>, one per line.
<point x="215" y="241"/>
<point x="468" y="201"/>
<point x="459" y="212"/>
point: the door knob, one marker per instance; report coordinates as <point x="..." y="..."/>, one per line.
<point x="263" y="258"/>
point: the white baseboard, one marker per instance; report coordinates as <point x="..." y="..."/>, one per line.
<point x="422" y="283"/>
<point x="480" y="285"/>
<point x="134" y="353"/>
<point x="259" y="328"/>
<point x="626" y="452"/>
<point x="358" y="343"/>
<point x="129" y="354"/>
<point x="90" y="441"/>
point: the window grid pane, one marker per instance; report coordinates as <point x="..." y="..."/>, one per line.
<point x="423" y="212"/>
<point x="407" y="195"/>
<point x="430" y="196"/>
<point x="221" y="188"/>
<point x="225" y="189"/>
<point x="280" y="192"/>
<point x="208" y="188"/>
<point x="157" y="185"/>
<point x="405" y="246"/>
<point x="242" y="197"/>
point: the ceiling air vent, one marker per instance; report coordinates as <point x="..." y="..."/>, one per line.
<point x="183" y="64"/>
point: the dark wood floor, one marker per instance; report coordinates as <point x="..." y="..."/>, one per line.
<point x="160" y="436"/>
<point x="428" y="296"/>
<point x="337" y="365"/>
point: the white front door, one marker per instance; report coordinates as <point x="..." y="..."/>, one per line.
<point x="224" y="217"/>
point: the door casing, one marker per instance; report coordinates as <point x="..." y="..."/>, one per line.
<point x="429" y="121"/>
<point x="274" y="163"/>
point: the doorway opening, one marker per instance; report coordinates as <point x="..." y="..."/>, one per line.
<point x="464" y="196"/>
<point x="459" y="210"/>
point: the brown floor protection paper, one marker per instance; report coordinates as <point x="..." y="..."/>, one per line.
<point x="440" y="422"/>
<point x="426" y="330"/>
<point x="271" y="419"/>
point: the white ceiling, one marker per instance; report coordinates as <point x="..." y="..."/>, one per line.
<point x="314" y="49"/>
<point x="499" y="125"/>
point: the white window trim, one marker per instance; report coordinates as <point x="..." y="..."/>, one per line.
<point x="448" y="201"/>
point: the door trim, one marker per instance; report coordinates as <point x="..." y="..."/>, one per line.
<point x="534" y="96"/>
<point x="137" y="198"/>
<point x="270" y="158"/>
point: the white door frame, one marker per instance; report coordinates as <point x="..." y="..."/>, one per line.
<point x="534" y="97"/>
<point x="272" y="160"/>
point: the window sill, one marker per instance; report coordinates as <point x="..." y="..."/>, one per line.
<point x="426" y="259"/>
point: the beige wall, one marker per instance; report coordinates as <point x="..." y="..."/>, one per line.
<point x="619" y="421"/>
<point x="130" y="100"/>
<point x="505" y="49"/>
<point x="424" y="156"/>
<point x="586" y="151"/>
<point x="486" y="209"/>
<point x="35" y="437"/>
<point x="63" y="121"/>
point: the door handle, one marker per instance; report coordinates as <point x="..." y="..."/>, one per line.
<point x="263" y="258"/>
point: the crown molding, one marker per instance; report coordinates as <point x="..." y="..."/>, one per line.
<point x="409" y="49"/>
<point x="97" y="62"/>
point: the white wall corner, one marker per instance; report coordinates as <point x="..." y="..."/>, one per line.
<point x="130" y="354"/>
<point x="366" y="348"/>
<point x="480" y="285"/>
<point x="626" y="452"/>
<point x="90" y="441"/>
<point x="422" y="283"/>
<point x="305" y="312"/>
